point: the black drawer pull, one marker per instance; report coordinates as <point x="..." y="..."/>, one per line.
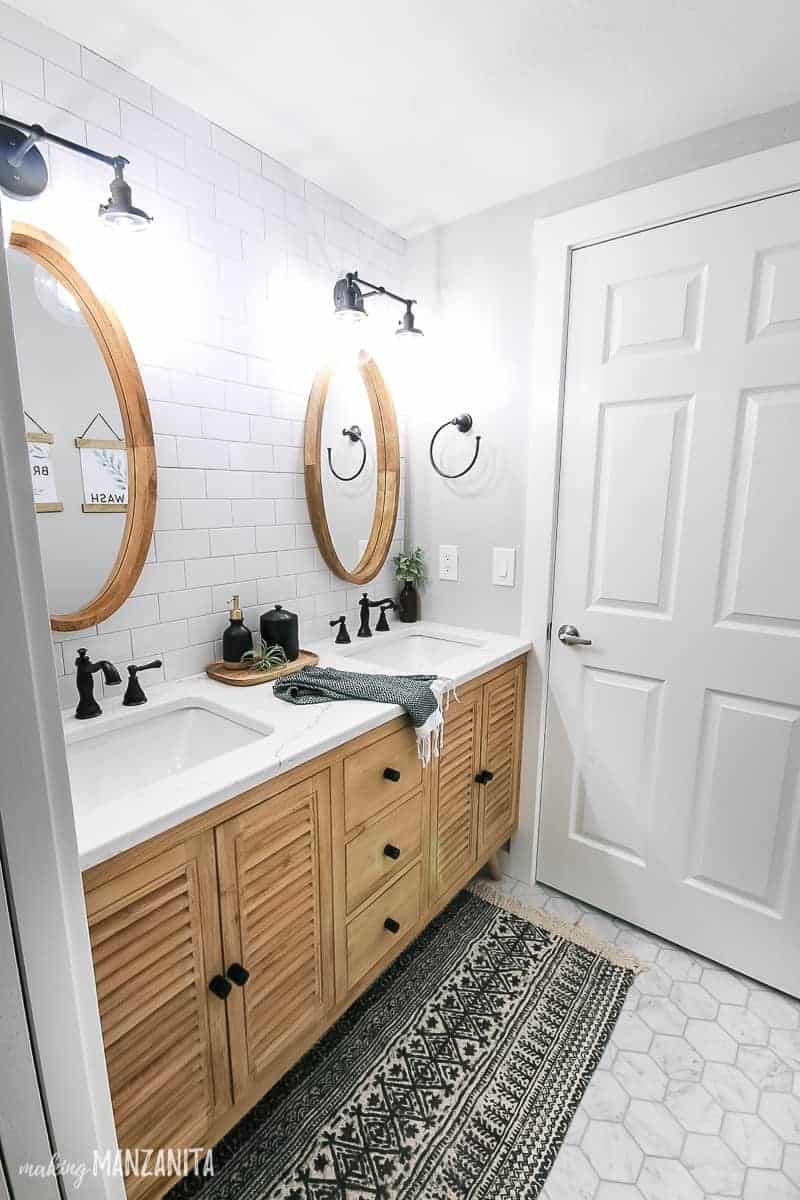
<point x="237" y="974"/>
<point x="220" y="987"/>
<point x="484" y="776"/>
<point x="392" y="925"/>
<point x="392" y="773"/>
<point x="391" y="851"/>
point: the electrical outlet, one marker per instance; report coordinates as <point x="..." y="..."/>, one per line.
<point x="503" y="566"/>
<point x="448" y="562"/>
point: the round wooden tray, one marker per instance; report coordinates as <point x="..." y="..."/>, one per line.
<point x="243" y="677"/>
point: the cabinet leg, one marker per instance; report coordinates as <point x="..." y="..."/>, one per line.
<point x="493" y="867"/>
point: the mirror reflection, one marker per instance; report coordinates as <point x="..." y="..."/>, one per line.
<point x="79" y="463"/>
<point x="348" y="464"/>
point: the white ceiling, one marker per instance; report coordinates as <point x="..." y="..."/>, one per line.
<point x="420" y="111"/>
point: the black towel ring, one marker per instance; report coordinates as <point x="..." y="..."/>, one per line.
<point x="354" y="433"/>
<point x="463" y="424"/>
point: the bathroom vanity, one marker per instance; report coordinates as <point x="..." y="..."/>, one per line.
<point x="233" y="918"/>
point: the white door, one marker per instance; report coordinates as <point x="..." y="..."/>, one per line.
<point x="671" y="794"/>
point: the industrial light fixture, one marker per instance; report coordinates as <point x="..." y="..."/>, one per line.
<point x="23" y="171"/>
<point x="348" y="301"/>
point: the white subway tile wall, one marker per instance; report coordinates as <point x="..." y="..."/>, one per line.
<point x="227" y="302"/>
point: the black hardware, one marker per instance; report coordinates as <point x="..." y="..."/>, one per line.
<point x="383" y="624"/>
<point x="354" y="433"/>
<point x="392" y="925"/>
<point x="342" y="637"/>
<point x="220" y="987"/>
<point x="133" y="692"/>
<point x="392" y="773"/>
<point x="391" y="851"/>
<point x="484" y="776"/>
<point x="348" y="301"/>
<point x="463" y="424"/>
<point x="365" y="604"/>
<point x="85" y="669"/>
<point x="237" y="974"/>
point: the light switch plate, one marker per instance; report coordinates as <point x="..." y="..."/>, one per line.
<point x="448" y="562"/>
<point x="504" y="566"/>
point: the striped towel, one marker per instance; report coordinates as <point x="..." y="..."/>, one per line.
<point x="420" y="695"/>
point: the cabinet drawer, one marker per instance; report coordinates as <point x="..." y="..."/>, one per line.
<point x="368" y="939"/>
<point x="371" y="858"/>
<point x="366" y="788"/>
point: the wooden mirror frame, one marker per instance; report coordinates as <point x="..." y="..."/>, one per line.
<point x="387" y="471"/>
<point x="138" y="430"/>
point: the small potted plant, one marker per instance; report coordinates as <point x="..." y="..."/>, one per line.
<point x="410" y="571"/>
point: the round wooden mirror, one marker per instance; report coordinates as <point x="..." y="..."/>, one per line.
<point x="352" y="467"/>
<point x="90" y="439"/>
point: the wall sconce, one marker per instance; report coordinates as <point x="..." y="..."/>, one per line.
<point x="348" y="301"/>
<point x="463" y="424"/>
<point x="23" y="171"/>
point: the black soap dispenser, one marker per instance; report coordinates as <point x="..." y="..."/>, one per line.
<point x="237" y="638"/>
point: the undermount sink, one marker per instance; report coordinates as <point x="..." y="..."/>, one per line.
<point x="412" y="653"/>
<point x="133" y="750"/>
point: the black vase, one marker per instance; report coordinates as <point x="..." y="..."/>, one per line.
<point x="408" y="603"/>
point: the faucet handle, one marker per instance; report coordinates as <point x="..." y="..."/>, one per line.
<point x="342" y="637"/>
<point x="133" y="693"/>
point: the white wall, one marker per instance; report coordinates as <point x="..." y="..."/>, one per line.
<point x="476" y="279"/>
<point x="227" y="301"/>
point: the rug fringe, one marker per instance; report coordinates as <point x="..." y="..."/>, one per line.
<point x="571" y="933"/>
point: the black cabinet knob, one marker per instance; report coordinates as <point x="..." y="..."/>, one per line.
<point x="392" y="773"/>
<point x="484" y="776"/>
<point x="392" y="925"/>
<point x="237" y="974"/>
<point x="391" y="851"/>
<point x="220" y="987"/>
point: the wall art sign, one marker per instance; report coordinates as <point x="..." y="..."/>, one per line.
<point x="104" y="468"/>
<point x="40" y="457"/>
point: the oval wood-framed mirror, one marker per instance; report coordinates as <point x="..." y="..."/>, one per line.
<point x="128" y="388"/>
<point x="386" y="471"/>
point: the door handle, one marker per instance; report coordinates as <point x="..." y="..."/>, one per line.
<point x="570" y="636"/>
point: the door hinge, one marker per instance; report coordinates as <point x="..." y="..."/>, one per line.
<point x="549" y="630"/>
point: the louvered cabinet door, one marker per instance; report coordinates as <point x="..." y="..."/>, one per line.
<point x="275" y="887"/>
<point x="501" y="747"/>
<point x="156" y="944"/>
<point x="455" y="809"/>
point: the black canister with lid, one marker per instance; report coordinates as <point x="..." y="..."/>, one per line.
<point x="279" y="628"/>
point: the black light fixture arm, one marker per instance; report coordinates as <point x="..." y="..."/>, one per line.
<point x="376" y="289"/>
<point x="463" y="424"/>
<point x="37" y="133"/>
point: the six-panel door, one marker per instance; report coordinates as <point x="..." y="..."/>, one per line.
<point x="156" y="945"/>
<point x="275" y="891"/>
<point x="671" y="792"/>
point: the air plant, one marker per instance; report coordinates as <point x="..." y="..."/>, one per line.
<point x="265" y="658"/>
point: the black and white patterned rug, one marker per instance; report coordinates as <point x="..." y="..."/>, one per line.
<point x="455" y="1075"/>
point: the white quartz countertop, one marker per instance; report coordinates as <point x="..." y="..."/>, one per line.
<point x="113" y="758"/>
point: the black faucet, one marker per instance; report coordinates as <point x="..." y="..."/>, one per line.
<point x="87" y="705"/>
<point x="365" y="604"/>
<point x="383" y="624"/>
<point x="133" y="692"/>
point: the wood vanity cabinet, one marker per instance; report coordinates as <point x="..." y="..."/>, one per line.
<point x="225" y="947"/>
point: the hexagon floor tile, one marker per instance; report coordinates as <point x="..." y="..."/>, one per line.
<point x="698" y="1094"/>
